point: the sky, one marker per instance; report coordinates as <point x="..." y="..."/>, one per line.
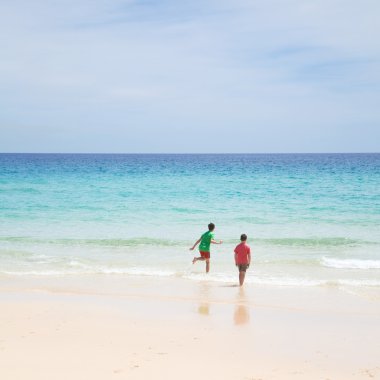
<point x="199" y="76"/>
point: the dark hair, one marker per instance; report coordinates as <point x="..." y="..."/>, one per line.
<point x="211" y="227"/>
<point x="243" y="237"/>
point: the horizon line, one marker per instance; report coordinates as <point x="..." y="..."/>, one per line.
<point x="185" y="153"/>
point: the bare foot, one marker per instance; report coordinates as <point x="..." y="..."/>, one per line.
<point x="194" y="260"/>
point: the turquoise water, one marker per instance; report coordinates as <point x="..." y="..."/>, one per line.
<point x="311" y="220"/>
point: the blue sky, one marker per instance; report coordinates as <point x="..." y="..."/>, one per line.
<point x="189" y="76"/>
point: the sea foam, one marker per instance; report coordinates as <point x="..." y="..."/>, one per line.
<point x="350" y="263"/>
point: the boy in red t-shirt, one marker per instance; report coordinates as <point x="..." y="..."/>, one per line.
<point x="242" y="257"/>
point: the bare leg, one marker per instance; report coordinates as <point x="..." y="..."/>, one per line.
<point x="241" y="277"/>
<point x="207" y="265"/>
<point x="195" y="259"/>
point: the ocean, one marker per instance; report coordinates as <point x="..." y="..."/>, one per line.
<point x="311" y="219"/>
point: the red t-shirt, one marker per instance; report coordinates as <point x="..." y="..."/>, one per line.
<point x="242" y="251"/>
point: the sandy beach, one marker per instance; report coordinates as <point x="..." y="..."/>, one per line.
<point x="139" y="328"/>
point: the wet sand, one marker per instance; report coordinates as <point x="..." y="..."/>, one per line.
<point x="143" y="328"/>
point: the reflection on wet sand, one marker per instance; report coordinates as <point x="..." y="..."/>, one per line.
<point x="241" y="315"/>
<point x="204" y="307"/>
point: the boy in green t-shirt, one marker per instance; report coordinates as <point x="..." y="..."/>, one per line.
<point x="204" y="248"/>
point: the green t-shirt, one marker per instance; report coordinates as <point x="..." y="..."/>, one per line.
<point x="204" y="246"/>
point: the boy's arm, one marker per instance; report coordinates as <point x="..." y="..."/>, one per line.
<point x="236" y="259"/>
<point x="249" y="258"/>
<point x="216" y="242"/>
<point x="195" y="244"/>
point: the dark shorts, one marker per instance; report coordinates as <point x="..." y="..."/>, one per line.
<point x="204" y="254"/>
<point x="243" y="267"/>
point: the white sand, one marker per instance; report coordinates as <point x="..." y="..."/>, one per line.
<point x="144" y="328"/>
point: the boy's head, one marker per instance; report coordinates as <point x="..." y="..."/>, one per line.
<point x="243" y="237"/>
<point x="211" y="227"/>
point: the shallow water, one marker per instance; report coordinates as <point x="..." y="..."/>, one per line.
<point x="311" y="220"/>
